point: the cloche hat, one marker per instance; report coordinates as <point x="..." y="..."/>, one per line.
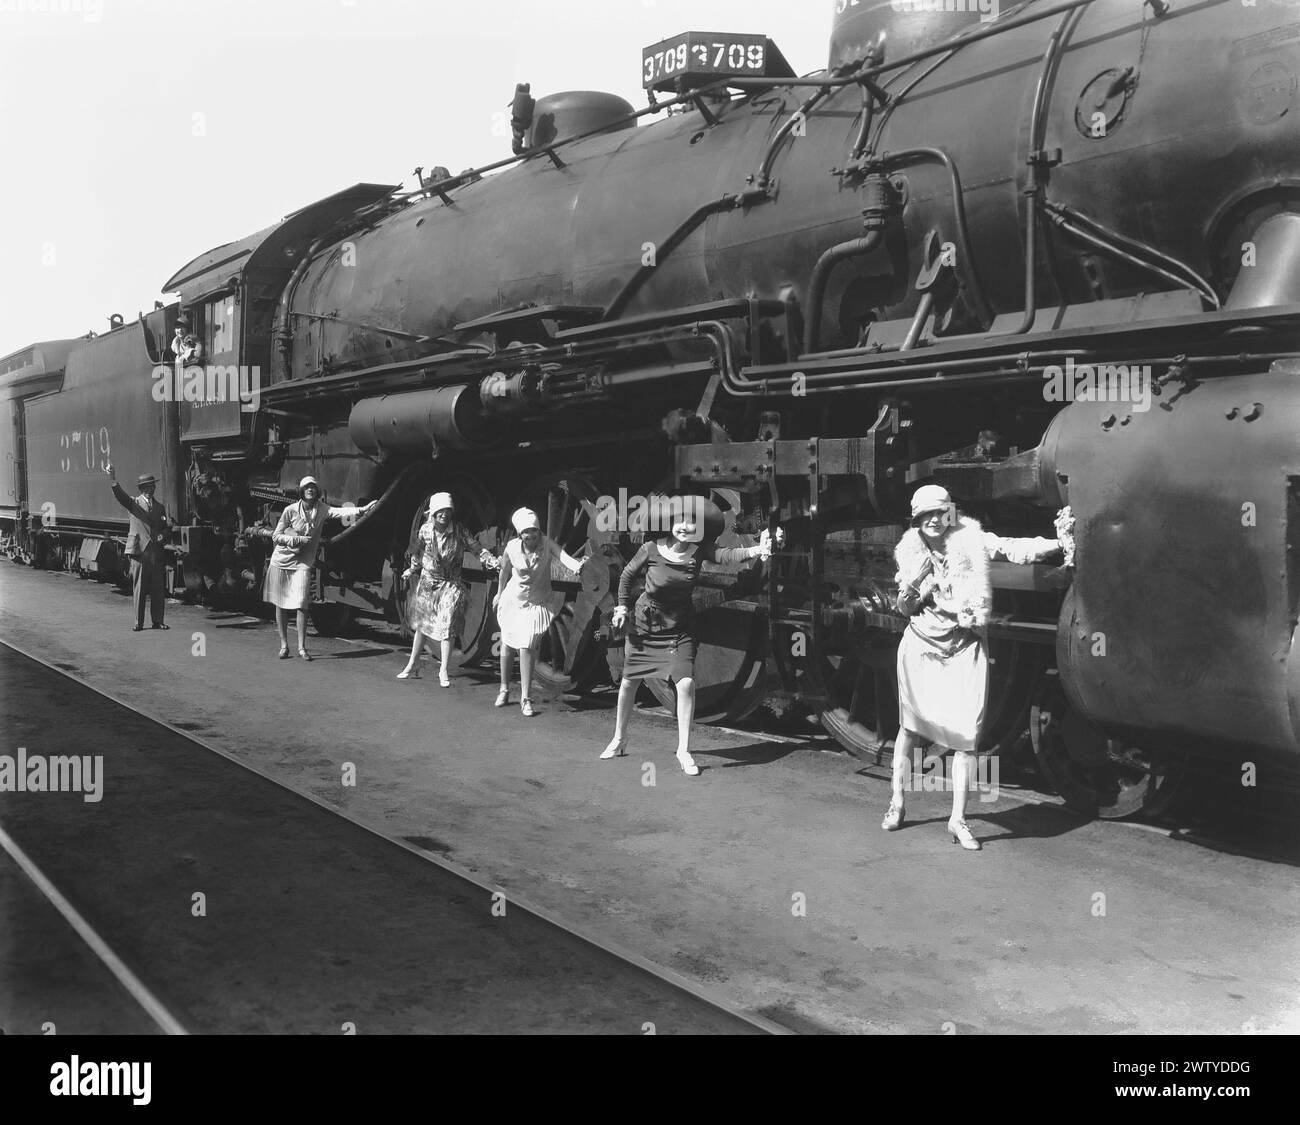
<point x="524" y="519"/>
<point x="930" y="498"/>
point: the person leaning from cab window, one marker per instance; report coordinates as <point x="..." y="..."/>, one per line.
<point x="440" y="594"/>
<point x="661" y="641"/>
<point x="185" y="345"/>
<point x="945" y="590"/>
<point x="288" y="575"/>
<point x="149" y="523"/>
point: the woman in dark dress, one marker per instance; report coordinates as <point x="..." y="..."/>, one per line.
<point x="660" y="641"/>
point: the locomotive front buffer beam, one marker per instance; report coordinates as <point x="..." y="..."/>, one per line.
<point x="754" y="465"/>
<point x="794" y="474"/>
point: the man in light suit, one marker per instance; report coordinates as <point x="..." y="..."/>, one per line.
<point x="149" y="523"/>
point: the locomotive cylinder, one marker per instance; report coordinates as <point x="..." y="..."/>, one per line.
<point x="421" y="422"/>
<point x="1184" y="605"/>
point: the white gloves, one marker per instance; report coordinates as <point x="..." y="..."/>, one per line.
<point x="766" y="541"/>
<point x="1065" y="534"/>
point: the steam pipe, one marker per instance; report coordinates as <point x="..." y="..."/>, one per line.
<point x="896" y="99"/>
<point x="1138" y="248"/>
<point x="769" y="157"/>
<point x="1030" y="208"/>
<point x="868" y="115"/>
<point x="1015" y="374"/>
<point x="912" y="155"/>
<point x="401" y="477"/>
<point x="1124" y="256"/>
<point x="917" y="326"/>
<point x="821" y="275"/>
<point x="1014" y="366"/>
<point x="871" y="91"/>
<point x="669" y="244"/>
<point x="1277" y="240"/>
<point x="1034" y="158"/>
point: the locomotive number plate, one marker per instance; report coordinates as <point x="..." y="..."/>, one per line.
<point x="703" y="55"/>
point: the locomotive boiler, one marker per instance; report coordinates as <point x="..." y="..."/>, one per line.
<point x="1043" y="255"/>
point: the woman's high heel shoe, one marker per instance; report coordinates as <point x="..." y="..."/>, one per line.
<point x="617" y="748"/>
<point x="443" y="681"/>
<point x="687" y="763"/>
<point x="893" y="817"/>
<point x="960" y="833"/>
<point x="409" y="673"/>
<point x="302" y="652"/>
<point x="284" y="652"/>
<point x="503" y="697"/>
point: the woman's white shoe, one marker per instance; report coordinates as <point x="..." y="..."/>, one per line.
<point x="687" y="763"/>
<point x="443" y="681"/>
<point x="617" y="748"/>
<point x="409" y="674"/>
<point x="960" y="833"/>
<point x="503" y="697"/>
<point x="526" y="706"/>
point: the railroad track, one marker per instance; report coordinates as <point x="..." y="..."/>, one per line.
<point x="219" y="900"/>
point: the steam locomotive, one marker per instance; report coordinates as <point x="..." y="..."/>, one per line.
<point x="1041" y="256"/>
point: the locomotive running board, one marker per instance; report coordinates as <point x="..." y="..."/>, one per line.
<point x="1131" y="341"/>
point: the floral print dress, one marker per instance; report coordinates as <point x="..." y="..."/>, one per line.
<point x="441" y="594"/>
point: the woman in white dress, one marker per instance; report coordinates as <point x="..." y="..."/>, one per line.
<point x="944" y="587"/>
<point x="296" y="538"/>
<point x="523" y="601"/>
<point x="441" y="594"/>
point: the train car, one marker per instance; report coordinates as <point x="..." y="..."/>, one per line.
<point x="103" y="411"/>
<point x="1044" y="256"/>
<point x="27" y="372"/>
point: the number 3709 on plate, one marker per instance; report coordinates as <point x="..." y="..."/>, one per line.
<point x="696" y="56"/>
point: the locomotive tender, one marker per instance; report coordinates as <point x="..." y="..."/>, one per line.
<point x="801" y="298"/>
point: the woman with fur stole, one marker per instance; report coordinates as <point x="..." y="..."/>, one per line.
<point x="944" y="587"/>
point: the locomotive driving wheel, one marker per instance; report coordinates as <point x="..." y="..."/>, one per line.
<point x="1096" y="775"/>
<point x="569" y="657"/>
<point x="329" y="619"/>
<point x="858" y="693"/>
<point x="1015" y="670"/>
<point x="851" y="684"/>
<point x="729" y="666"/>
<point x="858" y="697"/>
<point x="474" y="508"/>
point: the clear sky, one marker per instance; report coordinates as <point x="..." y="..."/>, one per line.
<point x="135" y="134"/>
